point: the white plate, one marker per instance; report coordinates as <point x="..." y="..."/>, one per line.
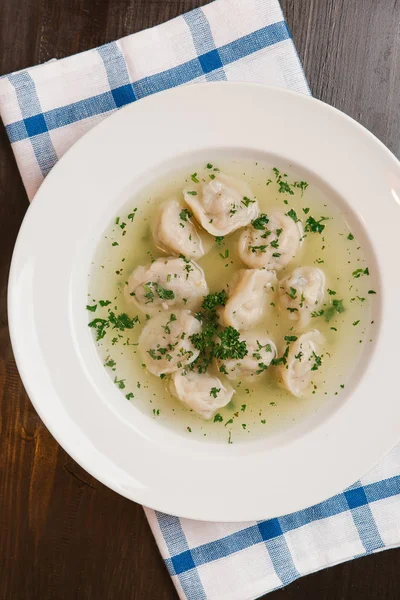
<point x="131" y="453"/>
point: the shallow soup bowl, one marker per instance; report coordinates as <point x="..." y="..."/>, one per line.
<point x="141" y="457"/>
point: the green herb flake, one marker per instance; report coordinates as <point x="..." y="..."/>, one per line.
<point x="315" y="226"/>
<point x="214" y="391"/>
<point x="260" y="222"/>
<point x="359" y="272"/>
<point x="246" y="201"/>
<point x="192" y="193"/>
<point x="211" y="301"/>
<point x="120" y="383"/>
<point x="194" y="178"/>
<point x="290" y="338"/>
<point x="91" y="308"/>
<point x="185" y="214"/>
<point x="350" y="236"/>
<point x="129" y="396"/>
<point x="218" y="418"/>
<point x="335" y="308"/>
<point x="219" y="239"/>
<point x="292" y="214"/>
<point x="356" y="322"/>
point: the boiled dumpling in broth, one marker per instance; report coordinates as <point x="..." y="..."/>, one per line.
<point x="270" y="242"/>
<point x="201" y="392"/>
<point x="167" y="283"/>
<point x="302" y="362"/>
<point x="302" y="292"/>
<point x="248" y="295"/>
<point x="165" y="344"/>
<point x="261" y="350"/>
<point x="175" y="232"/>
<point x="222" y="204"/>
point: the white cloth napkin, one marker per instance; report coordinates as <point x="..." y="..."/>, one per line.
<point x="45" y="109"/>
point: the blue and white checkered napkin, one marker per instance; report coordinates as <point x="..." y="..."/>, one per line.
<point x="45" y="110"/>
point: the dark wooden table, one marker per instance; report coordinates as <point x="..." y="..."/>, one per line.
<point x="63" y="535"/>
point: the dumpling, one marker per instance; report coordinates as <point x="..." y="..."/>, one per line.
<point x="165" y="344"/>
<point x="302" y="361"/>
<point x="261" y="350"/>
<point x="271" y="241"/>
<point x="174" y="231"/>
<point x="222" y="205"/>
<point x="248" y="294"/>
<point x="203" y="393"/>
<point x="166" y="283"/>
<point x="302" y="292"/>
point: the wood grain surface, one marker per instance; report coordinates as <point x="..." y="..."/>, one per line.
<point x="63" y="535"/>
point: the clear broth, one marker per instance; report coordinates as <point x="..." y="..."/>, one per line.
<point x="261" y="407"/>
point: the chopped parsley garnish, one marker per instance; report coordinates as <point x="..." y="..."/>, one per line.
<point x="219" y="239"/>
<point x="115" y="244"/>
<point x="218" y="418"/>
<point x="132" y="215"/>
<point x="243" y="407"/>
<point x="358" y="272"/>
<point x="230" y="345"/>
<point x="284" y="188"/>
<point x="356" y="322"/>
<point x="315" y="226"/>
<point x="129" y="396"/>
<point x="261" y="248"/>
<point x="290" y="338"/>
<point x="331" y="292"/>
<point x="209" y="166"/>
<point x="371" y="292"/>
<point x="192" y="193"/>
<point x="335" y="308"/>
<point x="214" y="391"/>
<point x="100" y="325"/>
<point x="302" y="185"/>
<point x="211" y="301"/>
<point x="91" y="308"/>
<point x="292" y="310"/>
<point x="119" y="383"/>
<point x="166" y="327"/>
<point x="306" y="211"/>
<point x="225" y="254"/>
<point x="318" y="313"/>
<point x="194" y="178"/>
<point x="292" y="294"/>
<point x="110" y="363"/>
<point x="246" y="201"/>
<point x="275" y="244"/>
<point x="163" y="293"/>
<point x="350" y="236"/>
<point x="317" y="362"/>
<point x="292" y="214"/>
<point x="185" y="214"/>
<point x="260" y="222"/>
<point x="275" y="362"/>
